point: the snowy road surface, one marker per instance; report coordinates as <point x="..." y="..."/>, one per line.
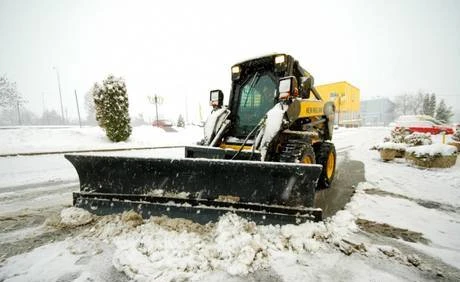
<point x="401" y="224"/>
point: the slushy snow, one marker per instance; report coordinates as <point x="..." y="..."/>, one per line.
<point x="75" y="217"/>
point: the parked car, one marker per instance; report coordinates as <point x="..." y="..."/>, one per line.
<point x="162" y="123"/>
<point x="423" y="125"/>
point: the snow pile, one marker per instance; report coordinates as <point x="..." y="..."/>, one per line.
<point x="433" y="150"/>
<point x="152" y="251"/>
<point x="163" y="249"/>
<point x="109" y="226"/>
<point x="75" y="217"/>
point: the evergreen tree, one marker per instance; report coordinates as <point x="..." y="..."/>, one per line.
<point x="432" y="106"/>
<point x="426" y="104"/>
<point x="443" y="113"/>
<point x="111" y="103"/>
<point x="180" y="121"/>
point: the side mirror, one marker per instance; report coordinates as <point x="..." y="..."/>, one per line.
<point x="216" y="98"/>
<point x="287" y="88"/>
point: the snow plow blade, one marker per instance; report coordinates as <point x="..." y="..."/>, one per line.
<point x="198" y="189"/>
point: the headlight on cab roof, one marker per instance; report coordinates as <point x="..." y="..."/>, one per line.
<point x="279" y="59"/>
<point x="236" y="69"/>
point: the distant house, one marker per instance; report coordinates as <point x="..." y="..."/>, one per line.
<point x="346" y="98"/>
<point x="378" y="111"/>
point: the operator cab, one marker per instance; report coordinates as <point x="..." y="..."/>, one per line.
<point x="255" y="90"/>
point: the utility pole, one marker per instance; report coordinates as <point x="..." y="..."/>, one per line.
<point x="19" y="113"/>
<point x="60" y="94"/>
<point x="78" y="108"/>
<point x="156" y="108"/>
<point x="186" y="110"/>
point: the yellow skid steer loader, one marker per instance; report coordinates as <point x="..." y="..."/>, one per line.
<point x="263" y="156"/>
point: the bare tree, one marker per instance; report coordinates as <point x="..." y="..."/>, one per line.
<point x="409" y="104"/>
<point x="403" y="104"/>
<point x="417" y="103"/>
<point x="9" y="95"/>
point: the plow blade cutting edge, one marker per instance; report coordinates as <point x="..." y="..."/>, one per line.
<point x="197" y="189"/>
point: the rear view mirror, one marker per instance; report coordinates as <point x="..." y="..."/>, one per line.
<point x="216" y="98"/>
<point x="287" y="87"/>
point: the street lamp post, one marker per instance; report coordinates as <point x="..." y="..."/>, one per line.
<point x="156" y="107"/>
<point x="156" y="100"/>
<point x="60" y="94"/>
<point x="78" y="108"/>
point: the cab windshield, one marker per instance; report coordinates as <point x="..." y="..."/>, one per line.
<point x="257" y="96"/>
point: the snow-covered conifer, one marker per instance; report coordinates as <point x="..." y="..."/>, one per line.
<point x="111" y="102"/>
<point x="180" y="121"/>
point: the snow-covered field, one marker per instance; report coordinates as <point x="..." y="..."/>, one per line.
<point x="402" y="223"/>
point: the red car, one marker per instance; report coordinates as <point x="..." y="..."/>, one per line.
<point x="162" y="123"/>
<point x="425" y="126"/>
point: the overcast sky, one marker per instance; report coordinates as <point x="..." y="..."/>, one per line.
<point x="182" y="49"/>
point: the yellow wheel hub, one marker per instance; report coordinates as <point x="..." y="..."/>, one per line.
<point x="330" y="165"/>
<point x="307" y="160"/>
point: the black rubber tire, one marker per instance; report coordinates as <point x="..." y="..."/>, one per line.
<point x="296" y="150"/>
<point x="322" y="151"/>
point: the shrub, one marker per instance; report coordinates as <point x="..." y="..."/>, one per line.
<point x="111" y="103"/>
<point x="398" y="134"/>
<point x="418" y="139"/>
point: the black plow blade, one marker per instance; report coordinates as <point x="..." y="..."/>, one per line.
<point x="198" y="189"/>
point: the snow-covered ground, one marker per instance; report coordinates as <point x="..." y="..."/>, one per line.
<point x="419" y="208"/>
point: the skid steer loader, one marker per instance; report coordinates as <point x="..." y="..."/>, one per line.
<point x="263" y="156"/>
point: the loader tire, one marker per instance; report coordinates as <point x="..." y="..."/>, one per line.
<point x="325" y="156"/>
<point x="298" y="151"/>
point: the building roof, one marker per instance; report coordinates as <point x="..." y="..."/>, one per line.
<point x="338" y="82"/>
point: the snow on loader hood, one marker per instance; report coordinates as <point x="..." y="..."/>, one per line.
<point x="271" y="126"/>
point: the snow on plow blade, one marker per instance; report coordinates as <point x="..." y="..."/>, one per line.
<point x="198" y="189"/>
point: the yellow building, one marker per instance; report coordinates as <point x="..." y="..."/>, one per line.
<point x="347" y="102"/>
